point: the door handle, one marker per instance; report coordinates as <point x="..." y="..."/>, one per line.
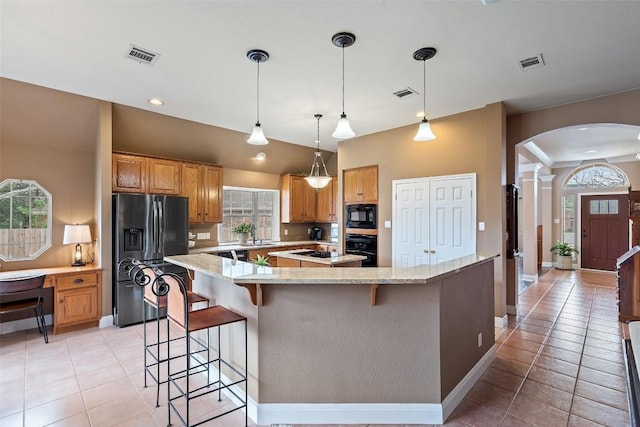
<point x="426" y="251"/>
<point x="432" y="251"/>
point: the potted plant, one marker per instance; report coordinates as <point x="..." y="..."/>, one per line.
<point x="243" y="230"/>
<point x="564" y="252"/>
<point x="261" y="261"/>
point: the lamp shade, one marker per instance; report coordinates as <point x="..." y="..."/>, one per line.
<point x="257" y="136"/>
<point x="424" y="132"/>
<point x="343" y="130"/>
<point x="76" y="234"/>
<point x="318" y="181"/>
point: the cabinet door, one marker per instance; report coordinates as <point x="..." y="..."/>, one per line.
<point x="164" y="176"/>
<point x="334" y="199"/>
<point x="296" y="199"/>
<point x="324" y="208"/>
<point x="351" y="186"/>
<point x="191" y="189"/>
<point x="129" y="173"/>
<point x="309" y="195"/>
<point x="369" y="184"/>
<point x="212" y="194"/>
<point x="76" y="306"/>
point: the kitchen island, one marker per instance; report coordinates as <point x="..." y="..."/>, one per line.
<point x="356" y="345"/>
<point x="311" y="258"/>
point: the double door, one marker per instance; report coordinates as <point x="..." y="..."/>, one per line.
<point x="434" y="219"/>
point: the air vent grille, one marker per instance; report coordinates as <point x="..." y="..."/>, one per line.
<point x="143" y="56"/>
<point x="403" y="93"/>
<point x="532" y="62"/>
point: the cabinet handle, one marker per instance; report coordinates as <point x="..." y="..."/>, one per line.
<point x="426" y="251"/>
<point x="432" y="251"/>
<point x="78" y="280"/>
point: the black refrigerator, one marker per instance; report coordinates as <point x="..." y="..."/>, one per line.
<point x="147" y="228"/>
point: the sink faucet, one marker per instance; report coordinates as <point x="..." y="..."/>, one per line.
<point x="253" y="236"/>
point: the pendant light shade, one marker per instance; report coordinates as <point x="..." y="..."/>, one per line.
<point x="424" y="130"/>
<point x="257" y="135"/>
<point x="316" y="179"/>
<point x="343" y="130"/>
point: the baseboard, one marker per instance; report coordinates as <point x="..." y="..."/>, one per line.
<point x="530" y="277"/>
<point x="501" y="322"/>
<point x="23" y="324"/>
<point x="106" y="321"/>
<point x="512" y="309"/>
<point x="547" y="264"/>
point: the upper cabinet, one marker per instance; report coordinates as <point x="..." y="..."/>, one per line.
<point x="202" y="184"/>
<point x="327" y="202"/>
<point x="140" y="174"/>
<point x="298" y="199"/>
<point x="361" y="185"/>
<point x="164" y="176"/>
<point x="130" y="173"/>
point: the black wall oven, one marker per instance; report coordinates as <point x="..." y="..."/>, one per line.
<point x="365" y="245"/>
<point x="361" y="216"/>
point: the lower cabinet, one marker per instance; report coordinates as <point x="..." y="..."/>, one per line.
<point x="77" y="300"/>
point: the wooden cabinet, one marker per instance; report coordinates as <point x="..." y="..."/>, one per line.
<point x="164" y="176"/>
<point x="361" y="185"/>
<point x="129" y="173"/>
<point x="327" y="202"/>
<point x="298" y="199"/>
<point x="77" y="300"/>
<point x="202" y="184"/>
<point x="140" y="174"/>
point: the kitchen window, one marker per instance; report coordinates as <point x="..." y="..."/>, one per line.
<point x="257" y="206"/>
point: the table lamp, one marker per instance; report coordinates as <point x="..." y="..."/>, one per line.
<point x="77" y="234"/>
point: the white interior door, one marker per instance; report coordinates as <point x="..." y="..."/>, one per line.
<point x="433" y="219"/>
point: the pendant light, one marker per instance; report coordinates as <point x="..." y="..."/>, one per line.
<point x="424" y="131"/>
<point x="343" y="130"/>
<point x="257" y="135"/>
<point x="315" y="179"/>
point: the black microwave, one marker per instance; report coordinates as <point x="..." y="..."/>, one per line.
<point x="361" y="216"/>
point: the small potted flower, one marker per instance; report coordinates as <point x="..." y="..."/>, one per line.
<point x="564" y="253"/>
<point x="261" y="261"/>
<point x="243" y="230"/>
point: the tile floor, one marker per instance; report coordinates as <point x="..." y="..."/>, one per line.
<point x="559" y="362"/>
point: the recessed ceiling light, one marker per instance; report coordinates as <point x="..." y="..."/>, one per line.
<point x="156" y="101"/>
<point x="591" y="151"/>
<point x="583" y="129"/>
<point x="638" y="136"/>
<point x="261" y="156"/>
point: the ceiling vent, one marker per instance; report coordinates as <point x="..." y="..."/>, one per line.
<point x="143" y="56"/>
<point x="403" y="93"/>
<point x="532" y="62"/>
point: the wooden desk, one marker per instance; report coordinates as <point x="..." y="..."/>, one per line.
<point x="77" y="294"/>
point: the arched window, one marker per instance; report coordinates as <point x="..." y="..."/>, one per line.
<point x="596" y="175"/>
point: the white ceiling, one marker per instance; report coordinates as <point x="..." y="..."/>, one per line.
<point x="590" y="48"/>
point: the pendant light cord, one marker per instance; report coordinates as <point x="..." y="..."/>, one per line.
<point x="343" y="79"/>
<point x="424" y="89"/>
<point x="258" y="94"/>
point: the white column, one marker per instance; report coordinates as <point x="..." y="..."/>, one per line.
<point x="546" y="217"/>
<point x="529" y="215"/>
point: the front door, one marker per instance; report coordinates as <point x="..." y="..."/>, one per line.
<point x="605" y="230"/>
<point x="434" y="219"/>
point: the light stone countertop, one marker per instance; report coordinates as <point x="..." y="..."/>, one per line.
<point x="334" y="259"/>
<point x="243" y="273"/>
<point x="250" y="246"/>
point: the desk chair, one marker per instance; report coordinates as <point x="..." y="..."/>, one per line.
<point x="31" y="289"/>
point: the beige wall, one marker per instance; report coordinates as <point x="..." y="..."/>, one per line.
<point x="470" y="142"/>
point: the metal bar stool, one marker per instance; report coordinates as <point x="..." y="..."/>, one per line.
<point x="31" y="289"/>
<point x="144" y="275"/>
<point x="190" y="322"/>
